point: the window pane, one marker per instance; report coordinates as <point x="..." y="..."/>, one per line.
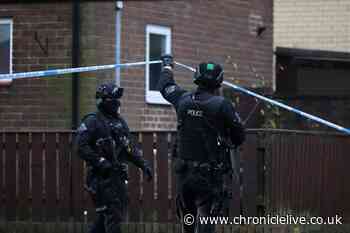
<point x="157" y="48"/>
<point x="5" y="48"/>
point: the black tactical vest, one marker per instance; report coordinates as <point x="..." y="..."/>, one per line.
<point x="103" y="132"/>
<point x="199" y="125"/>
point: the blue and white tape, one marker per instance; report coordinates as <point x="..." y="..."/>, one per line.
<point x="38" y="74"/>
<point x="281" y="105"/>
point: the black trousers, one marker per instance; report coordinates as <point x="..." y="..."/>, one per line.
<point x="111" y="201"/>
<point x="197" y="195"/>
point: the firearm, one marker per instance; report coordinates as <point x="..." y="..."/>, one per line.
<point x="230" y="156"/>
<point x="228" y="170"/>
<point x="108" y="146"/>
<point x="121" y="142"/>
<point x="234" y="156"/>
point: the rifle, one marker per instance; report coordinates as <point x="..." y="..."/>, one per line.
<point x="109" y="145"/>
<point x="230" y="156"/>
<point x="234" y="156"/>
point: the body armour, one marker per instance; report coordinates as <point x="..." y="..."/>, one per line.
<point x="199" y="126"/>
<point x="202" y="119"/>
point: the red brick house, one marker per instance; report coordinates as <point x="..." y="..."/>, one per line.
<point x="40" y="36"/>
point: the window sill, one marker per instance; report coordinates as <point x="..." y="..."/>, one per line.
<point x="5" y="82"/>
<point x="154" y="97"/>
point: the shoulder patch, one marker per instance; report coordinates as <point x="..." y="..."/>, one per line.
<point x="186" y="94"/>
<point x="238" y="119"/>
<point x="170" y="89"/>
<point x="82" y="128"/>
<point x="93" y="114"/>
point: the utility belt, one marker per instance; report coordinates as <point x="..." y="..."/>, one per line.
<point x="119" y="170"/>
<point x="206" y="167"/>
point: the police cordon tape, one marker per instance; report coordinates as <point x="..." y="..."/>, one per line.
<point x="38" y="74"/>
<point x="281" y="105"/>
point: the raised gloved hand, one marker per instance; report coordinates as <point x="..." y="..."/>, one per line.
<point x="104" y="166"/>
<point x="167" y="60"/>
<point x="147" y="171"/>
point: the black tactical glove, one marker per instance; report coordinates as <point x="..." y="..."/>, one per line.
<point x="167" y="60"/>
<point x="104" y="167"/>
<point x="147" y="171"/>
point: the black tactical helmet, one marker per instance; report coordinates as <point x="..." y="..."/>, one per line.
<point x="109" y="90"/>
<point x="107" y="97"/>
<point x="209" y="75"/>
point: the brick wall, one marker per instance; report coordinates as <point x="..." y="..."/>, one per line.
<point x="316" y="24"/>
<point x="38" y="103"/>
<point x="222" y="31"/>
<point x="46" y="102"/>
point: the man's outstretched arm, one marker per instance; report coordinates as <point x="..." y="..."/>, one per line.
<point x="166" y="85"/>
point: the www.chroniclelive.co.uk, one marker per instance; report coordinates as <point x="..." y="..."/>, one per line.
<point x="268" y="219"/>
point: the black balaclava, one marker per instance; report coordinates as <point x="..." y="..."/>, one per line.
<point x="107" y="98"/>
<point x="110" y="106"/>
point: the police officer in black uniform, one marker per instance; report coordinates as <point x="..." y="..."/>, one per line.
<point x="207" y="125"/>
<point x="103" y="141"/>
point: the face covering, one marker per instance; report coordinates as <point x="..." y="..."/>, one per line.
<point x="111" y="106"/>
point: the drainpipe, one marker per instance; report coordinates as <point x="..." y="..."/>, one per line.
<point x="75" y="62"/>
<point x="118" y="27"/>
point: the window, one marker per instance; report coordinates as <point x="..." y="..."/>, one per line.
<point x="5" y="46"/>
<point x="158" y="42"/>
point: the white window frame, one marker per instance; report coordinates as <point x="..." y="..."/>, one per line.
<point x="154" y="97"/>
<point x="9" y="21"/>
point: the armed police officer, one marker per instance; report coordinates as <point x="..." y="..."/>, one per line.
<point x="103" y="141"/>
<point x="207" y="125"/>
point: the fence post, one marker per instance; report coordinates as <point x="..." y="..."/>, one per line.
<point x="2" y="167"/>
<point x="10" y="175"/>
<point x="162" y="177"/>
<point x="23" y="179"/>
<point x="65" y="164"/>
<point x="172" y="205"/>
<point x="50" y="181"/>
<point x="37" y="176"/>
<point x="250" y="181"/>
<point x="148" y="187"/>
<point x="235" y="182"/>
<point x="77" y="185"/>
